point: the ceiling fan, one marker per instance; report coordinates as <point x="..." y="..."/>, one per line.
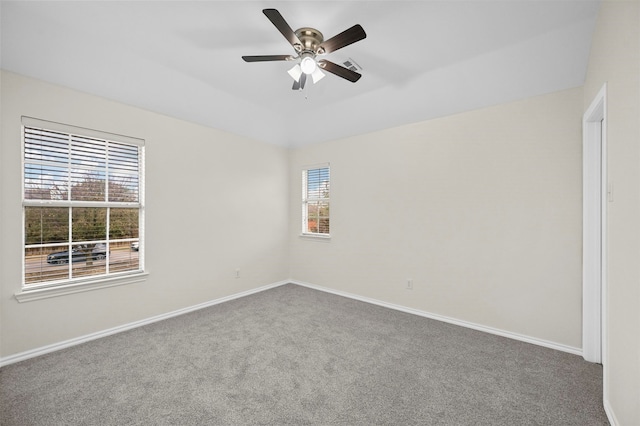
<point x="309" y="43"/>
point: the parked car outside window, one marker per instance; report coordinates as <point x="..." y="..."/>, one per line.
<point x="78" y="254"/>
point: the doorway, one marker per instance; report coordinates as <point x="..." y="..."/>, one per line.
<point x="595" y="197"/>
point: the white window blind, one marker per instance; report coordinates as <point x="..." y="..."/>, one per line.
<point x="316" y="190"/>
<point x="82" y="204"/>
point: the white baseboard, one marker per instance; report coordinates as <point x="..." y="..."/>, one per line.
<point x="610" y="413"/>
<point x="491" y="330"/>
<point x="76" y="341"/>
<point x="82" y="339"/>
<point x="93" y="336"/>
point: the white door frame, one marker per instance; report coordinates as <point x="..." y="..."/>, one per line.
<point x="594" y="219"/>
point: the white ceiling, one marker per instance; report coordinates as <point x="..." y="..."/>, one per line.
<point x="420" y="60"/>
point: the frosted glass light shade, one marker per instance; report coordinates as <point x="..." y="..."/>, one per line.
<point x="308" y="65"/>
<point x="317" y="75"/>
<point x="295" y="72"/>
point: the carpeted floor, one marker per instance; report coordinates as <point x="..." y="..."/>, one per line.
<point x="296" y="356"/>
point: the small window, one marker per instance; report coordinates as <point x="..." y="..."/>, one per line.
<point x="315" y="201"/>
<point x="82" y="204"/>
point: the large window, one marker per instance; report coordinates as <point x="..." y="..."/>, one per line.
<point x="315" y="200"/>
<point x="82" y="204"/>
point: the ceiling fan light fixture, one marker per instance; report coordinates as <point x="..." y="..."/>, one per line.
<point x="308" y="65"/>
<point x="317" y="75"/>
<point x="295" y="72"/>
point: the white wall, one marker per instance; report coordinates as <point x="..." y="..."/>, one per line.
<point x="214" y="202"/>
<point x="615" y="60"/>
<point x="482" y="210"/>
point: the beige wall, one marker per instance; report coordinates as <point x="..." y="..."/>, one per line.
<point x="615" y="60"/>
<point x="214" y="202"/>
<point x="483" y="210"/>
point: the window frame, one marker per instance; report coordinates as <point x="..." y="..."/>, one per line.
<point x="306" y="199"/>
<point x="71" y="284"/>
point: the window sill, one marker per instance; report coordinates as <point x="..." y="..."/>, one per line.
<point x="27" y="295"/>
<point x="318" y="237"/>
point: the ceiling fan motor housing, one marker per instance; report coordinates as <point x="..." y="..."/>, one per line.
<point x="310" y="39"/>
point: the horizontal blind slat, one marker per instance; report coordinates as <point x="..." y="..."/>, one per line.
<point x="54" y="127"/>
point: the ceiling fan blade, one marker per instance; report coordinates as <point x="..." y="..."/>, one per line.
<point x="303" y="80"/>
<point x="282" y="26"/>
<point x="263" y="58"/>
<point x="345" y="38"/>
<point x="339" y="70"/>
<point x="299" y="83"/>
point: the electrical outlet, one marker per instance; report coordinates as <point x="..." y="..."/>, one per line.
<point x="238" y="273"/>
<point x="409" y="284"/>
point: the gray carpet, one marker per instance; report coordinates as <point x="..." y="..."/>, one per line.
<point x="296" y="356"/>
